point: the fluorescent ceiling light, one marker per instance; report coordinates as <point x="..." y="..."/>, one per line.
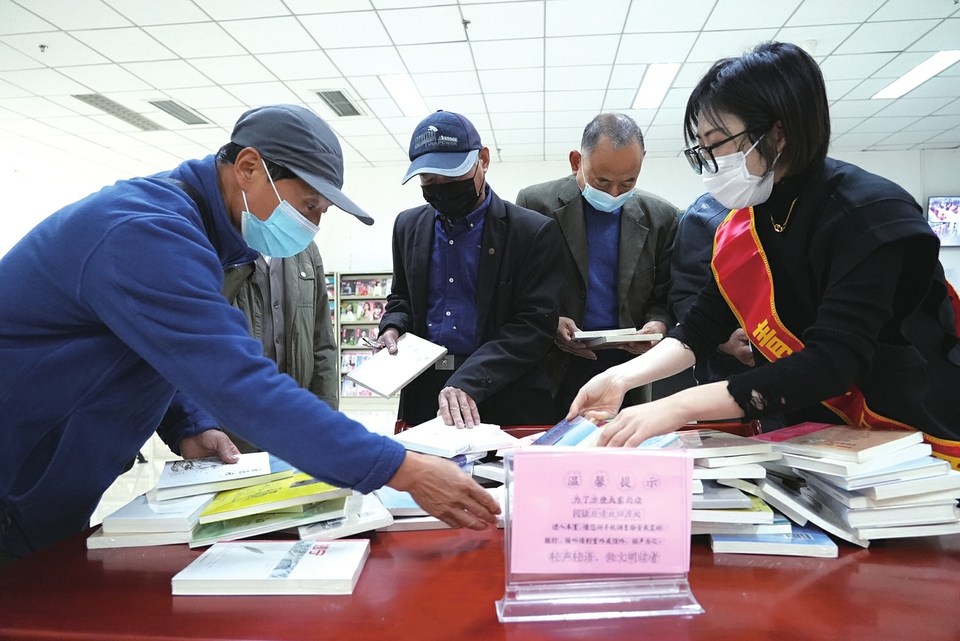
<point x="656" y="82"/>
<point x="339" y="103"/>
<point x="919" y="74"/>
<point x="117" y="110"/>
<point x="180" y="111"/>
<point x="406" y="95"/>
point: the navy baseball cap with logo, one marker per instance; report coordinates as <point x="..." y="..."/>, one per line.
<point x="298" y="139"/>
<point x="444" y="143"/>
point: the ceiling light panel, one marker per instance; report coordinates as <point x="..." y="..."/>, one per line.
<point x="61" y="49"/>
<point x="154" y="13"/>
<point x="339" y="103"/>
<point x="504" y="20"/>
<point x="405" y="93"/>
<point x="205" y="39"/>
<point x="367" y="61"/>
<point x="104" y="78"/>
<point x="508" y="54"/>
<point x="66" y="15"/>
<point x="119" y="111"/>
<point x="655" y="47"/>
<point x="453" y="56"/>
<point x="655" y="84"/>
<point x="575" y="18"/>
<point x="729" y="15"/>
<point x="416" y="26"/>
<point x="590" y="50"/>
<point x="345" y="30"/>
<point x="270" y="35"/>
<point x="300" y="65"/>
<point x="180" y="111"/>
<point x="919" y="74"/>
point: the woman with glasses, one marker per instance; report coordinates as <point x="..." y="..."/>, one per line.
<point x="832" y="272"/>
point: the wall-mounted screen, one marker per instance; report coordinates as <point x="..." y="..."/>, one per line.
<point x="943" y="214"/>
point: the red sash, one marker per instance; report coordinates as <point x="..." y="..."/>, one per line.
<point x="743" y="275"/>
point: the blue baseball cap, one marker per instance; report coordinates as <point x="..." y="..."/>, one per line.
<point x="298" y="139"/>
<point x="444" y="143"/>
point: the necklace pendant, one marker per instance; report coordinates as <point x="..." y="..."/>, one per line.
<point x="778" y="228"/>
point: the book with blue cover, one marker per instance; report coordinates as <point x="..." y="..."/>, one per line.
<point x="567" y="432"/>
<point x="802" y="541"/>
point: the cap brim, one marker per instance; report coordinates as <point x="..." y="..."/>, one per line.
<point x="442" y="164"/>
<point x="337" y="197"/>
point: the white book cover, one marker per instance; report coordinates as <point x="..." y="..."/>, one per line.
<point x="492" y="471"/>
<point x="143" y="515"/>
<point x="743" y="459"/>
<point x="801" y="509"/>
<point x="696" y="487"/>
<point x="398" y="502"/>
<point x="600" y="333"/>
<point x="717" y="497"/>
<point x="839" y="442"/>
<point x="99" y="540"/>
<point x="603" y="342"/>
<point x="907" y="531"/>
<point x="707" y="443"/>
<point x="747" y="471"/>
<point x="385" y="374"/>
<point x="948" y="481"/>
<point x="895" y="515"/>
<point x="434" y="437"/>
<point x="744" y="485"/>
<point x="266" y="522"/>
<point x="780" y="525"/>
<point x="203" y="475"/>
<point x="758" y="512"/>
<point x="857" y="500"/>
<point x="917" y="469"/>
<point x="800" y="542"/>
<point x="364" y="512"/>
<point x="850" y="468"/>
<point x="275" y="567"/>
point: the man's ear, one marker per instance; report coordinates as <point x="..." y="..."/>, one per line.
<point x="484" y="158"/>
<point x="575" y="159"/>
<point x="246" y="166"/>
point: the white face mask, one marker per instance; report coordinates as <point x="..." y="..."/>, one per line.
<point x="734" y="186"/>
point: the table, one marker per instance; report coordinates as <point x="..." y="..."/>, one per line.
<point x="442" y="585"/>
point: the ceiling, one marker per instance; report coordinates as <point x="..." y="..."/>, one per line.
<point x="528" y="73"/>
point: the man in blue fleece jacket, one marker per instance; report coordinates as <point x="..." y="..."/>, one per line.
<point x="112" y="305"/>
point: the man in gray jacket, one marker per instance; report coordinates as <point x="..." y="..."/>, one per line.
<point x="617" y="250"/>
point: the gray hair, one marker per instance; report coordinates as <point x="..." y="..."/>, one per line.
<point x="621" y="129"/>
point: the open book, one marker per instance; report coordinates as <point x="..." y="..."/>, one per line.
<point x="385" y="374"/>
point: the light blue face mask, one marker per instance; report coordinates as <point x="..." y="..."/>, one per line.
<point x="602" y="201"/>
<point x="284" y="234"/>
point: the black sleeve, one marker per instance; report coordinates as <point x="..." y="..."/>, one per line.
<point x="398" y="311"/>
<point x="690" y="267"/>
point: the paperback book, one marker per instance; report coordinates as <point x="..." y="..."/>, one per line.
<point x="706" y="443"/>
<point x="927" y="467"/>
<point x="780" y="525"/>
<point x="100" y="540"/>
<point x="800" y="509"/>
<point x="204" y="475"/>
<point x="840" y="442"/>
<point x="799" y="542"/>
<point x="850" y="468"/>
<point x="434" y="437"/>
<point x="364" y="513"/>
<point x="896" y="515"/>
<point x="299" y="489"/>
<point x="758" y="512"/>
<point x="385" y="374"/>
<point x="717" y="497"/>
<point x="143" y="515"/>
<point x="602" y="342"/>
<point x="267" y="522"/>
<point x="274" y="567"/>
<point x="857" y="500"/>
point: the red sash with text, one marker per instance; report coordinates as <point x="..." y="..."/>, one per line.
<point x="743" y="275"/>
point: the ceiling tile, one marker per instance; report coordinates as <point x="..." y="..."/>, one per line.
<point x="914" y="106"/>
<point x="878" y="125"/>
<point x="714" y="45"/>
<point x="857" y="142"/>
<point x="577" y="78"/>
<point x="569" y="136"/>
<point x="368" y="61"/>
<point x="901" y="64"/>
<point x="516" y="120"/>
<point x="943" y="37"/>
<point x="556" y="151"/>
<point x="862" y="91"/>
<point x="454" y="56"/>
<point x="44" y="82"/>
<point x="912" y="10"/>
<point x="894" y="36"/>
<point x="345" y="30"/>
<point x="517" y="151"/>
<point x="36" y="107"/>
<point x="66" y="15"/>
<point x="521" y="101"/>
<point x="817" y="40"/>
<point x="300" y="65"/>
<point x="382" y="107"/>
<point x="950" y="139"/>
<point x="418" y="26"/>
<point x="101" y="78"/>
<point x="234" y="10"/>
<point x="270" y="35"/>
<point x="225" y="117"/>
<point x="669" y="118"/>
<point x="124" y="45"/>
<point x="618" y="99"/>
<point x="12" y="91"/>
<point x="643" y="117"/>
<point x="263" y="93"/>
<point x="842" y="125"/>
<point x="205" y="39"/>
<point x="468" y="105"/>
<point x="837" y="89"/>
<point x="691" y="73"/>
<point x="857" y="108"/>
<point x="306" y="7"/>
<point x="934" y="123"/>
<point x="508" y="54"/>
<point x="653" y="16"/>
<point x="855" y="66"/>
<point x="153" y="13"/>
<point x="627" y="76"/>
<point x="574" y="18"/>
<point x="648" y="48"/>
<point x="168" y="74"/>
<point x="750" y="14"/>
<point x="906" y="139"/>
<point x="446" y="83"/>
<point x="936" y="87"/>
<point x="520" y="136"/>
<point x="11" y="59"/>
<point x="949" y="109"/>
<point x="16" y="19"/>
<point x="504" y="20"/>
<point x="27" y="128"/>
<point x="400" y="4"/>
<point x="369" y="87"/>
<point x="569" y="119"/>
<point x="394" y="154"/>
<point x="61" y="49"/>
<point x="511" y="80"/>
<point x="233" y="70"/>
<point x="589" y="50"/>
<point x="381" y="140"/>
<point x="826" y="12"/>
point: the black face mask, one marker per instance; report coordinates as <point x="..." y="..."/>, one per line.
<point x="453" y="200"/>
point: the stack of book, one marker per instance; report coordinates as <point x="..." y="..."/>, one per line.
<point x="409" y="516"/>
<point x="862" y="485"/>
<point x="203" y="501"/>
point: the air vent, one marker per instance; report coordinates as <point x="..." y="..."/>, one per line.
<point x="117" y="110"/>
<point x="339" y="102"/>
<point x="180" y="112"/>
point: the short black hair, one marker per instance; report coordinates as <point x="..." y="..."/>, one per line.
<point x="228" y="156"/>
<point x="621" y="129"/>
<point x="775" y="82"/>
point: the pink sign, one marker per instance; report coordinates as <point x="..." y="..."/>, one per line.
<point x="600" y="511"/>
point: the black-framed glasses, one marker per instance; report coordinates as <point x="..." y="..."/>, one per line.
<point x="701" y="158"/>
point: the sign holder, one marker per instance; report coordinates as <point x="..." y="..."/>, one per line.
<point x="596" y="533"/>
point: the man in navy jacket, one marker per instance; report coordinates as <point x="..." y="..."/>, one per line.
<point x="112" y="305"/>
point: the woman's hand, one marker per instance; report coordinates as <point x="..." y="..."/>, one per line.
<point x="600" y="398"/>
<point x="636" y="424"/>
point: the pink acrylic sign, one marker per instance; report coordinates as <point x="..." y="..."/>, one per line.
<point x="600" y="511"/>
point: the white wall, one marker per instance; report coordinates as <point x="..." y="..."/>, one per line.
<point x="32" y="190"/>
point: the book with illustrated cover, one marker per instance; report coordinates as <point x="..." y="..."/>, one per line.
<point x="434" y="437"/>
<point x="780" y="525"/>
<point x="385" y="374"/>
<point x="840" y="442"/>
<point x="143" y="515"/>
<point x="707" y="443"/>
<point x="800" y="541"/>
<point x="274" y="567"/>
<point x="850" y="468"/>
<point x="299" y="489"/>
<point x="204" y="475"/>
<point x="398" y="502"/>
<point x="364" y="513"/>
<point x="265" y="523"/>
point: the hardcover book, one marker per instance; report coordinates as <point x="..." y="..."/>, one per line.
<point x="364" y="512"/>
<point x="299" y="489"/>
<point x="800" y="542"/>
<point x="267" y="522"/>
<point x="204" y="475"/>
<point x="143" y="515"/>
<point x="275" y="567"/>
<point x="385" y="374"/>
<point x="840" y="442"/>
<point x="433" y="437"/>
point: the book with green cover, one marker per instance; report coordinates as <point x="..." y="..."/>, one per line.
<point x="299" y="489"/>
<point x="257" y="524"/>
